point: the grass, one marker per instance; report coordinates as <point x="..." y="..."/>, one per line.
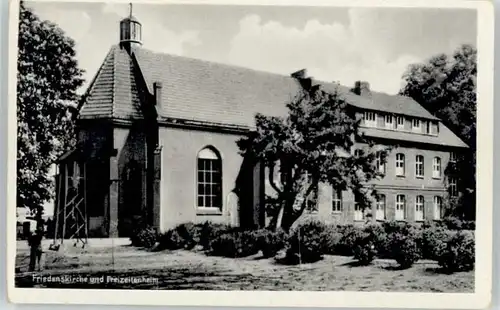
<point x="179" y="270"/>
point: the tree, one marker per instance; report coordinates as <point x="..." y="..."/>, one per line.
<point x="47" y="79"/>
<point x="446" y="87"/>
<point x="314" y="144"/>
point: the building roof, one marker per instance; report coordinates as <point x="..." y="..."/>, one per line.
<point x="202" y="91"/>
<point x="196" y="90"/>
<point x="113" y="92"/>
<point x="445" y="138"/>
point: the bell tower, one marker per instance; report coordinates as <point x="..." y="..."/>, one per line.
<point x="130" y="32"/>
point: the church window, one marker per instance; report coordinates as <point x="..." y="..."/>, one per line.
<point x="209" y="179"/>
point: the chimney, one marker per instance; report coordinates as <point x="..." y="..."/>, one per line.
<point x="157" y="93"/>
<point x="362" y="88"/>
<point x="302" y="77"/>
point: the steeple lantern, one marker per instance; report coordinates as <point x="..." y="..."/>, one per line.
<point x="130" y="31"/>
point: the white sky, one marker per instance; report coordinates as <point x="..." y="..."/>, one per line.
<point x="334" y="44"/>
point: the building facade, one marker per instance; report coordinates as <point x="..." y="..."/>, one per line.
<point x="157" y="142"/>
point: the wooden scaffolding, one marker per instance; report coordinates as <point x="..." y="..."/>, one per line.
<point x="71" y="220"/>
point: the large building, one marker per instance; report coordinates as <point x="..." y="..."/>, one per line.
<point x="157" y="142"/>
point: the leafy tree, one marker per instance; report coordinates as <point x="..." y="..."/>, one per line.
<point x="312" y="145"/>
<point x="446" y="86"/>
<point x="47" y="79"/>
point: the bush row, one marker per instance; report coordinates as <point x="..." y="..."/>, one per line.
<point x="309" y="241"/>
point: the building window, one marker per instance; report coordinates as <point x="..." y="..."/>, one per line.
<point x="416" y="124"/>
<point x="358" y="212"/>
<point x="400" y="122"/>
<point x="380" y="211"/>
<point x="133" y="33"/>
<point x="209" y="179"/>
<point x="453" y="187"/>
<point x="419" y="208"/>
<point x="380" y="163"/>
<point x="419" y="166"/>
<point x="370" y="119"/>
<point x="453" y="157"/>
<point x="400" y="207"/>
<point x="436" y="168"/>
<point x="389" y="122"/>
<point x="438" y="208"/>
<point x="428" y="127"/>
<point x="336" y="201"/>
<point x="357" y="153"/>
<point x="400" y="164"/>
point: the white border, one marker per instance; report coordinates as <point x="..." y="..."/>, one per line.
<point x="483" y="279"/>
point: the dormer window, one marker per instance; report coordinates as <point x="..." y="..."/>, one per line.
<point x="370" y="119"/>
<point x="400" y="122"/>
<point x="416" y="124"/>
<point x="389" y="122"/>
<point x="433" y="128"/>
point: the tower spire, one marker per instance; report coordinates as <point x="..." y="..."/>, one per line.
<point x="130" y="9"/>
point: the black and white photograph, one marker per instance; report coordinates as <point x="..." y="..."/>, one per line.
<point x="171" y="146"/>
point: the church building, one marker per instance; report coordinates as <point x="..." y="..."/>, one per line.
<point x="157" y="143"/>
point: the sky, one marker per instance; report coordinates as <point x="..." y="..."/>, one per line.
<point x="339" y="44"/>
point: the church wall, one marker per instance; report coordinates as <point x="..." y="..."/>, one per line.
<point x="130" y="145"/>
<point x="179" y="174"/>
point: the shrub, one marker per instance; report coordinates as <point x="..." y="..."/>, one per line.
<point x="331" y="239"/>
<point x="305" y="243"/>
<point x="459" y="253"/>
<point x="209" y="231"/>
<point x="184" y="236"/>
<point x="469" y="225"/>
<point x="364" y="248"/>
<point x="270" y="242"/>
<point x="402" y="227"/>
<point x="145" y="237"/>
<point x="378" y="237"/>
<point x="235" y="244"/>
<point x="452" y="223"/>
<point x="346" y="243"/>
<point x="433" y="241"/>
<point x="404" y="247"/>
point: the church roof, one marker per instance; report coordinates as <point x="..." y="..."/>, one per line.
<point x="113" y="91"/>
<point x="207" y="91"/>
<point x="202" y="91"/>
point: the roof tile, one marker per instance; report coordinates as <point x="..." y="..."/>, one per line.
<point x="201" y="91"/>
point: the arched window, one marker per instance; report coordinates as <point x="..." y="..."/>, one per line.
<point x="419" y="208"/>
<point x="419" y="166"/>
<point x="400" y="164"/>
<point x="400" y="207"/>
<point x="380" y="163"/>
<point x="438" y="208"/>
<point x="336" y="201"/>
<point x="380" y="211"/>
<point x="436" y="168"/>
<point x="209" y="179"/>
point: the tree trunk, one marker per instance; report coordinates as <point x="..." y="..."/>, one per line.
<point x="288" y="216"/>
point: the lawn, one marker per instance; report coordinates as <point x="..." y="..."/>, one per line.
<point x="179" y="270"/>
